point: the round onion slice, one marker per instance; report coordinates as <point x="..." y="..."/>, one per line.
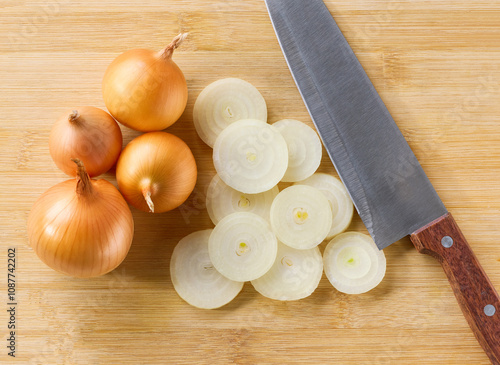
<point x="336" y="193"/>
<point x="353" y="263"/>
<point x="224" y="102"/>
<point x="304" y="149"/>
<point x="295" y="274"/>
<point x="194" y="277"/>
<point x="301" y="216"/>
<point x="242" y="246"/>
<point x="223" y="200"/>
<point x="250" y="156"/>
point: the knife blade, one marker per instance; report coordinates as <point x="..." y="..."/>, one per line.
<point x="389" y="188"/>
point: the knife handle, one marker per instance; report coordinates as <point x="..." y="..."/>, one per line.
<point x="476" y="295"/>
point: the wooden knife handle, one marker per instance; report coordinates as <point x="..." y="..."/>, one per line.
<point x="476" y="295"/>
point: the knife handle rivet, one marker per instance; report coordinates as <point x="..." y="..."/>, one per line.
<point x="447" y="241"/>
<point x="489" y="310"/>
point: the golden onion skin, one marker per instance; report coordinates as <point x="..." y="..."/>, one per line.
<point x="159" y="164"/>
<point x="89" y="134"/>
<point x="82" y="234"/>
<point x="146" y="90"/>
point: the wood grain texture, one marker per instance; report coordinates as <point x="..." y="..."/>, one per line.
<point x="436" y="66"/>
<point x="443" y="240"/>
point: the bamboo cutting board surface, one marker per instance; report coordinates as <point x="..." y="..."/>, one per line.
<point x="436" y="64"/>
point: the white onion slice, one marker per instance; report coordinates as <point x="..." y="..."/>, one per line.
<point x="250" y="156"/>
<point x="224" y="102"/>
<point x="304" y="149"/>
<point x="242" y="246"/>
<point x="353" y="263"/>
<point x="223" y="200"/>
<point x="295" y="274"/>
<point x="336" y="193"/>
<point x="301" y="216"/>
<point x="194" y="277"/>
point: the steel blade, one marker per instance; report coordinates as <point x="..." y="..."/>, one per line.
<point x="390" y="190"/>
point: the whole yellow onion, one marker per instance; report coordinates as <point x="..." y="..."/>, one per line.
<point x="81" y="227"/>
<point x="146" y="90"/>
<point x="88" y="134"/>
<point x="156" y="172"/>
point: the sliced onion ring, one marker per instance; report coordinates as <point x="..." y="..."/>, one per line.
<point x="304" y="149"/>
<point x="223" y="200"/>
<point x="337" y="195"/>
<point x="250" y="156"/>
<point x="242" y="246"/>
<point x="224" y="102"/>
<point x="353" y="263"/>
<point x="301" y="216"/>
<point x="294" y="275"/>
<point x="194" y="277"/>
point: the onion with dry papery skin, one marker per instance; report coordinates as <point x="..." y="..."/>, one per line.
<point x="88" y="134"/>
<point x="156" y="172"/>
<point x="145" y="90"/>
<point x="81" y="227"/>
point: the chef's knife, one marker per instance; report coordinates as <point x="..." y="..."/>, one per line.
<point x="390" y="190"/>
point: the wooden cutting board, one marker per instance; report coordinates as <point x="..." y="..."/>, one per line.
<point x="436" y="65"/>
